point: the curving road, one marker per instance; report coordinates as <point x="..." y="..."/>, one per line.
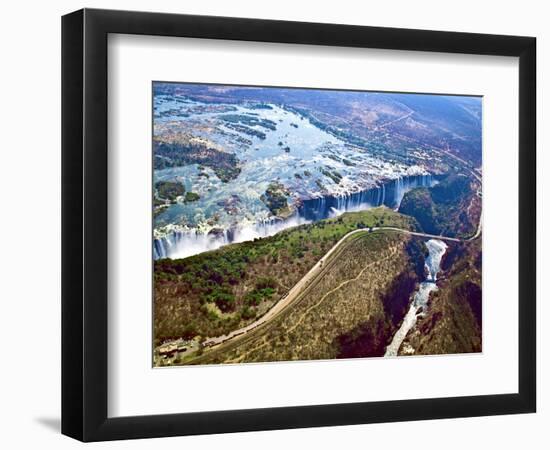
<point x="313" y="273"/>
<point x="318" y="269"/>
<point x="288" y="298"/>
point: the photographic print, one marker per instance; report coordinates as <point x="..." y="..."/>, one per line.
<point x="314" y="224"/>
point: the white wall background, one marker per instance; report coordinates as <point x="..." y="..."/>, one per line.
<point x="30" y="229"/>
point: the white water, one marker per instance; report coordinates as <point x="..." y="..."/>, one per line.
<point x="185" y="243"/>
<point x="419" y="303"/>
<point x="235" y="206"/>
<point x="188" y="243"/>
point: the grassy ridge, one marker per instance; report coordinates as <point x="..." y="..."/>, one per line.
<point x="349" y="296"/>
<point x="215" y="292"/>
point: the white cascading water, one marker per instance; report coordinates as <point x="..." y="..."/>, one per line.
<point x="182" y="244"/>
<point x="419" y="303"/>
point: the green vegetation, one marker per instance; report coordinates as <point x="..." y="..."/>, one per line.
<point x="275" y="198"/>
<point x="354" y="307"/>
<point x="419" y="204"/>
<point x="264" y="289"/>
<point x="169" y="190"/>
<point x="444" y="208"/>
<point x="219" y="291"/>
<point x="227" y="173"/>
<point x="166" y="193"/>
<point x="191" y="197"/>
<point x="224" y="165"/>
<point x="349" y="296"/>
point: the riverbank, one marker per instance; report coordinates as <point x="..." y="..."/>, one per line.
<point x="182" y="243"/>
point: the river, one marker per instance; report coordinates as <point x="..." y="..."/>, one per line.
<point x="420" y="299"/>
<point x="185" y="243"/>
<point x="323" y="176"/>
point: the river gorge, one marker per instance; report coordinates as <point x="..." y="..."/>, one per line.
<point x="421" y="297"/>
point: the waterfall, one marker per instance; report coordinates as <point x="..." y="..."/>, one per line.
<point x="389" y="194"/>
<point x="181" y="244"/>
<point x="420" y="299"/>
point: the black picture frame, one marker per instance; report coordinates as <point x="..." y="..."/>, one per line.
<point x="84" y="224"/>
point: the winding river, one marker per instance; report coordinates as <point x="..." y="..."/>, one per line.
<point x="419" y="303"/>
